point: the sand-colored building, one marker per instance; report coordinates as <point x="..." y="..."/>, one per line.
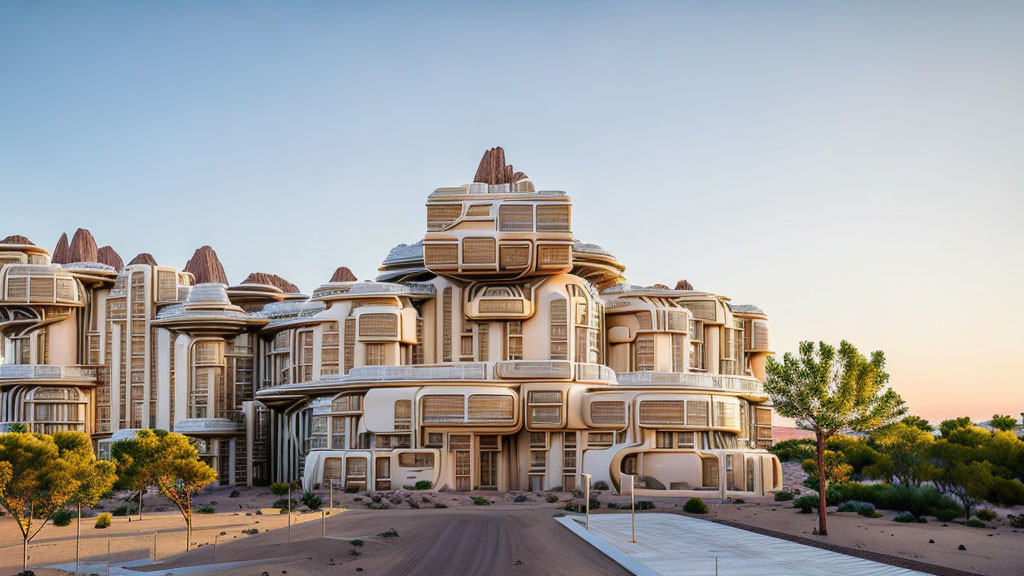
<point x="499" y="352"/>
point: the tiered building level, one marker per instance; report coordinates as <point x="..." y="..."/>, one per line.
<point x="498" y="353"/>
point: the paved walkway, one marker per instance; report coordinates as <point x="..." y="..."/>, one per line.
<point x="673" y="545"/>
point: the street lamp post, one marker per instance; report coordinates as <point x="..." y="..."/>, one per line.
<point x="632" y="504"/>
<point x="586" y="478"/>
<point x="289" y="511"/>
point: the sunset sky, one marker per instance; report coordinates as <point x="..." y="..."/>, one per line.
<point x="856" y="171"/>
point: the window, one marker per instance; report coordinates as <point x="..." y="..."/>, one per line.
<point x="553" y="218"/>
<point x="387" y="441"/>
<point x="446" y="320"/>
<point x="338" y="433"/>
<point x="678" y="353"/>
<point x="491" y="408"/>
<point x="697" y="345"/>
<point x="515" y="218"/>
<point x="403" y="414"/>
<point x="416" y="460"/>
<point x="459" y="442"/>
<point x="663" y="440"/>
<point x="305" y="356"/>
<point x="440" y="216"/>
<point x="329" y="352"/>
<point x="661" y="412"/>
<point x="378" y="326"/>
<point x="375" y="354"/>
<point x="644" y="353"/>
<point x="514" y="340"/>
<point x="448" y="408"/>
<point x="600" y="439"/>
<point x="434" y="440"/>
<point x="478" y="251"/>
<point x="347" y="404"/>
<point x="608" y="413"/>
<point x="545" y="407"/>
<point x="726" y="415"/>
<point x="559" y="330"/>
<point x="350" y="344"/>
<point x="684" y="440"/>
<point x="697" y="413"/>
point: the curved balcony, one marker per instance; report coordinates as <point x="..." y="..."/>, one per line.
<point x="745" y="385"/>
<point x="208" y="426"/>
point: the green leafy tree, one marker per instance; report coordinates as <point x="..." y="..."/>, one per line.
<point x="40" y="474"/>
<point x="906" y="449"/>
<point x="1004" y="423"/>
<point x="956" y="472"/>
<point x="948" y="426"/>
<point x="918" y="422"/>
<point x="135" y="468"/>
<point x="175" y="468"/>
<point x="828" y="390"/>
<point x="855" y="451"/>
<point x="95" y="477"/>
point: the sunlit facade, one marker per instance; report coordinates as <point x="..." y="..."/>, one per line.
<point x="498" y="353"/>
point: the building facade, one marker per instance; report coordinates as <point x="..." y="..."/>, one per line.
<point x="499" y="352"/>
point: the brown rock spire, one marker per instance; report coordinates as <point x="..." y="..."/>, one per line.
<point x="16" y="239"/>
<point x="493" y="170"/>
<point x="144" y="258"/>
<point x="206" y="268"/>
<point x="684" y="285"/>
<point x="272" y="280"/>
<point x="62" y="252"/>
<point x="83" y="247"/>
<point x="108" y="256"/>
<point x="343" y="274"/>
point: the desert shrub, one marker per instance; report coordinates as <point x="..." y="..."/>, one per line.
<point x="975" y="523"/>
<point x="389" y="533"/>
<point x="519" y="498"/>
<point x="946" y="515"/>
<point x="987" y="515"/>
<point x="869" y="513"/>
<point x="61" y="517"/>
<point x="423" y="485"/>
<point x="440" y="505"/>
<point x="600" y="485"/>
<point x="806" y="503"/>
<point x="551" y="498"/>
<point x="234" y="494"/>
<point x="312" y="501"/>
<point x="854" y="506"/>
<point x="103" y="520"/>
<point x="904" y="517"/>
<point x="376" y="505"/>
<point x="793" y="450"/>
<point x="695" y="506"/>
<point x="122" y="510"/>
<point x="739" y="501"/>
<point x="613" y="505"/>
<point x="481" y="501"/>
<point x="783" y="496"/>
<point x="205" y="509"/>
<point x="1016" y="521"/>
<point x="282" y="504"/>
<point x="356" y="542"/>
<point x="855" y="451"/>
<point x="279" y="488"/>
<point x="251" y="531"/>
<point x="644" y="505"/>
<point x="920" y="501"/>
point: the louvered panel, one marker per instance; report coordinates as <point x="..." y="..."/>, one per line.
<point x="491" y="408"/>
<point x="760" y="340"/>
<point x="545" y="414"/>
<point x="608" y="412"/>
<point x="501" y="306"/>
<point x="515" y="218"/>
<point x="441" y="215"/>
<point x="443" y="409"/>
<point x="697" y="413"/>
<point x="662" y="412"/>
<point x="378" y="326"/>
<point x="553" y="255"/>
<point x="478" y="251"/>
<point x="479" y="210"/>
<point x="514" y="256"/>
<point x="702" y="310"/>
<point x="441" y="255"/>
<point x="167" y="285"/>
<point x="553" y="218"/>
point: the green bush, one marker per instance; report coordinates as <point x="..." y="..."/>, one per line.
<point x="920" y="501"/>
<point x="205" y="510"/>
<point x="103" y="520"/>
<point x="904" y="517"/>
<point x="1016" y="521"/>
<point x="312" y="501"/>
<point x="987" y="515"/>
<point x="481" y="501"/>
<point x="282" y="504"/>
<point x="855" y="451"/>
<point x="424" y="485"/>
<point x="644" y="505"/>
<point x="806" y="503"/>
<point x="279" y="488"/>
<point x="783" y="496"/>
<point x="695" y="506"/>
<point x="600" y="485"/>
<point x="794" y="450"/>
<point x="61" y="518"/>
<point x="357" y="542"/>
<point x="975" y="523"/>
<point x="122" y="510"/>
<point x="946" y="515"/>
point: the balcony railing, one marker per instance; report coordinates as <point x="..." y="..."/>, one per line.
<point x="440" y="372"/>
<point x="45" y="372"/>
<point x="693" y="380"/>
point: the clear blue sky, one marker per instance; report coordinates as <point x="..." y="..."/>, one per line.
<point x="853" y="168"/>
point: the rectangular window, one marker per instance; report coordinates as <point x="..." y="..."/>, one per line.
<point x="403" y="414"/>
<point x="600" y="439"/>
<point x="514" y="340"/>
<point x="448" y="408"/>
<point x="515" y="218"/>
<point x="608" y="413"/>
<point x="684" y="440"/>
<point x="644" y="353"/>
<point x="416" y="460"/>
<point x="375" y="354"/>
<point x="697" y="413"/>
<point x="491" y="408"/>
<point x="554" y="218"/>
<point x="678" y="353"/>
<point x="661" y="412"/>
<point x="446" y="321"/>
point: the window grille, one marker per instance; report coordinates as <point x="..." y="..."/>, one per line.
<point x="515" y="218"/>
<point x="697" y="413"/>
<point x="553" y="255"/>
<point x="608" y="413"/>
<point x="491" y="408"/>
<point x="403" y="414"/>
<point x="439" y="216"/>
<point x="441" y="255"/>
<point x="553" y="218"/>
<point x="514" y="256"/>
<point x="661" y="412"/>
<point x="416" y="460"/>
<point x="478" y="251"/>
<point x="378" y="326"/>
<point x="444" y="409"/>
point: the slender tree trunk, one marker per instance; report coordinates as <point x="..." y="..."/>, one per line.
<point x="140" y="504"/>
<point x="78" y="537"/>
<point x="188" y="521"/>
<point x="822" y="526"/>
<point x="24" y="555"/>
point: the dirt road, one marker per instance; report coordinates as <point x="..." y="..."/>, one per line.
<point x="490" y="540"/>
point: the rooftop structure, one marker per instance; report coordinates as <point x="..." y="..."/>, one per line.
<point x="498" y="352"/>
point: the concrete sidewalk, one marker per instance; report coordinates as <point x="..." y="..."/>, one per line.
<point x="674" y="545"/>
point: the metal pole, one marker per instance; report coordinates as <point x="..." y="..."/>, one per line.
<point x="632" y="504"/>
<point x="323" y="523"/>
<point x="332" y="495"/>
<point x="586" y="494"/>
<point x="289" y="512"/>
<point x="154" y="545"/>
<point x="716" y="565"/>
<point x="108" y="556"/>
<point x="78" y="538"/>
<point x="215" y="536"/>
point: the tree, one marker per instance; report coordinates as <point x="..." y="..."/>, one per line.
<point x="828" y="390"/>
<point x="134" y="462"/>
<point x="956" y="472"/>
<point x="905" y="446"/>
<point x="918" y="422"/>
<point x="41" y="475"/>
<point x="1004" y="423"/>
<point x="174" y="467"/>
<point x="95" y="477"/>
<point x="948" y="426"/>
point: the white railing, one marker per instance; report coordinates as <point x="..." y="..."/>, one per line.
<point x="692" y="380"/>
<point x="442" y="372"/>
<point x="207" y="425"/>
<point x="44" y="372"/>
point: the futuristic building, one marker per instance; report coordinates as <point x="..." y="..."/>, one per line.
<point x="498" y="353"/>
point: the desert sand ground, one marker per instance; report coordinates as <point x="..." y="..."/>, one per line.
<point x="444" y="533"/>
